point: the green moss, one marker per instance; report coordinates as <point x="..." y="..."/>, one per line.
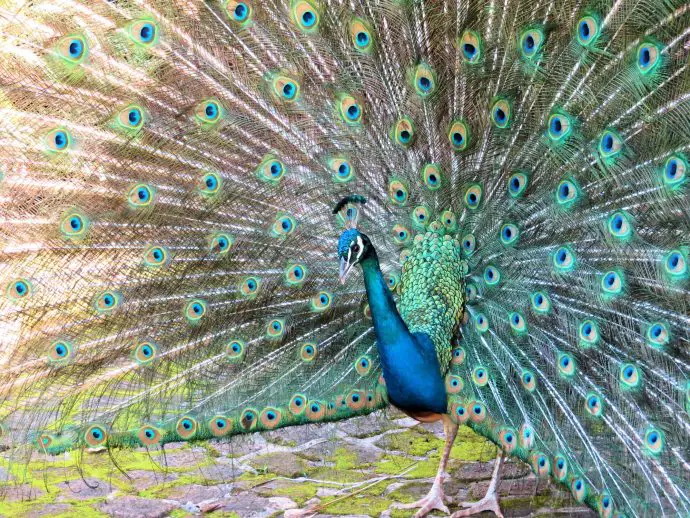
<point x="416" y="441"/>
<point x="470" y="446"/>
<point x="299" y="492"/>
<point x="344" y="459"/>
<point x="336" y="475"/>
<point x="359" y="504"/>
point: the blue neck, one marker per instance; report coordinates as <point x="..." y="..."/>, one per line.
<point x="389" y="326"/>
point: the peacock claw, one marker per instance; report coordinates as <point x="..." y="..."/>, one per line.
<point x="488" y="503"/>
<point x="434" y="500"/>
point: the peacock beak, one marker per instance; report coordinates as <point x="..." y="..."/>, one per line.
<point x="345" y="269"/>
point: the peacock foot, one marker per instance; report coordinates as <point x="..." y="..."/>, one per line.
<point x="488" y="503"/>
<point x="434" y="500"/>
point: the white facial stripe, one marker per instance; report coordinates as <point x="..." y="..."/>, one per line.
<point x="349" y="254"/>
<point x="361" y="247"/>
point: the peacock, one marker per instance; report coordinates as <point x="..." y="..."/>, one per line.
<point x="227" y="217"/>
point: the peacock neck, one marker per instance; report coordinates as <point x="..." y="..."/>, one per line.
<point x="389" y="326"/>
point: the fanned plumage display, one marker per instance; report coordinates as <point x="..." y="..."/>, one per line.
<point x="509" y="177"/>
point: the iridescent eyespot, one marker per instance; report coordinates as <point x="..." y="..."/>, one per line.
<point x="19" y="289"/>
<point x="612" y="283"/>
<point x="349" y="109"/>
<point x="316" y="410"/>
<point x="60" y="352"/>
<point x="458" y="413"/>
<point x="648" y="57"/>
<point x="248" y="419"/>
<point x="501" y="113"/>
<point x="492" y="275"/>
<point x="517" y="183"/>
<point x="295" y="274"/>
<point x="58" y="140"/>
<point x="321" y="301"/>
<point x="469" y="245"/>
<point x="235" y="351"/>
<point x="275" y="329"/>
<point x="220" y="244"/>
<point x="210" y="184"/>
<point x="392" y="280"/>
<point x="74" y="225"/>
<point x="363" y="365"/>
<point x="284" y="225"/>
<point x="630" y="376"/>
<point x="480" y="376"/>
<point x="107" y="301"/>
<point x="594" y="405"/>
<point x="560" y="467"/>
<point x="564" y="259"/>
<point x="195" y="310"/>
<point x="131" y="118"/>
<point x="403" y="132"/>
<point x="566" y="364"/>
<point x="567" y="193"/>
<point x="676" y="264"/>
<point x="95" y="436"/>
<point x="459" y="135"/>
<point x="540" y="464"/>
<point x="481" y="323"/>
<point x="674" y="171"/>
<point x="342" y="170"/>
<point x="471" y="292"/>
<point x="424" y="80"/>
<point x="658" y="335"/>
<point x="560" y="127"/>
<point x="72" y="49"/>
<point x="270" y="170"/>
<point x="145" y="352"/>
<point x="401" y="235"/>
<point x="526" y="437"/>
<point x="421" y="216"/>
<point x="471" y="46"/>
<point x="610" y="144"/>
<point x="529" y="381"/>
<point x="249" y="287"/>
<point x="619" y="225"/>
<point x="405" y="254"/>
<point x="517" y="323"/>
<point x="298" y="404"/>
<point x="541" y="304"/>
<point x="458" y="356"/>
<point x="578" y="488"/>
<point x="308" y="352"/>
<point x="473" y="196"/>
<point x="219" y="426"/>
<point x="209" y="112"/>
<point x="605" y="505"/>
<point x="156" y="256"/>
<point x="398" y="192"/>
<point x="305" y="15"/>
<point x="449" y="220"/>
<point x="141" y="195"/>
<point x="588" y="30"/>
<point x="149" y="435"/>
<point x="654" y="440"/>
<point x="454" y="384"/>
<point x="477" y="411"/>
<point x="588" y="333"/>
<point x="186" y="427"/>
<point x="531" y="42"/>
<point x="508" y="439"/>
<point x="240" y="12"/>
<point x="509" y="234"/>
<point x="144" y="32"/>
<point x="361" y="35"/>
<point x="431" y="176"/>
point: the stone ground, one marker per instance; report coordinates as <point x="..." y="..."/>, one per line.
<point x="357" y="468"/>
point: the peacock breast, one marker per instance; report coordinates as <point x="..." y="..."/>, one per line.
<point x="433" y="290"/>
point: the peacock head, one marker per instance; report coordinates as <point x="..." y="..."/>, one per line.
<point x="353" y="248"/>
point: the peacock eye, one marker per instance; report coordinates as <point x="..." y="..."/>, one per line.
<point x="355" y="248"/>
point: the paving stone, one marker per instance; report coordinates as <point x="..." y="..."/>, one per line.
<point x="285" y="464"/>
<point x="250" y="505"/>
<point x="143" y="480"/>
<point x="136" y="507"/>
<point x="83" y="490"/>
<point x="196" y="493"/>
<point x="52" y="510"/>
<point x="20" y="492"/>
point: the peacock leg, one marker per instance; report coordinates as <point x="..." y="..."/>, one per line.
<point x="435" y="498"/>
<point x="490" y="500"/>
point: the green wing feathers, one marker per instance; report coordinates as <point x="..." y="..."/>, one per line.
<point x="168" y="252"/>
